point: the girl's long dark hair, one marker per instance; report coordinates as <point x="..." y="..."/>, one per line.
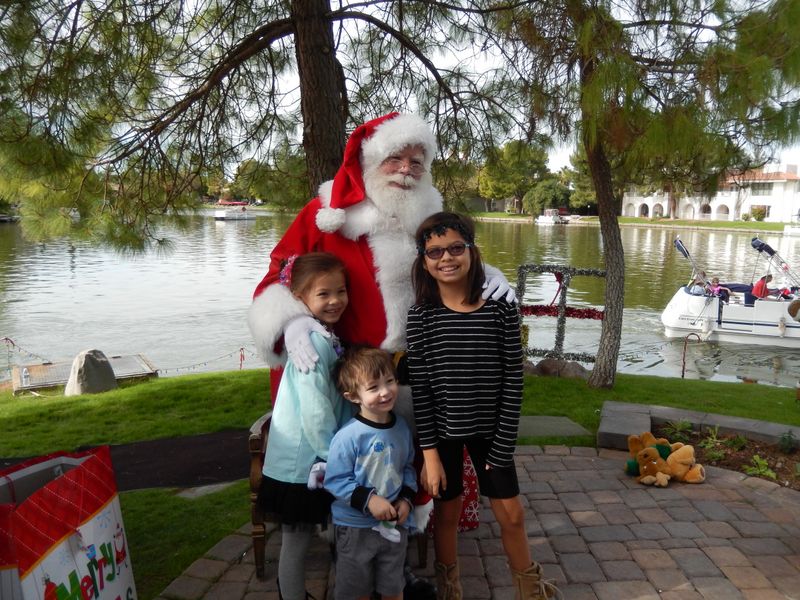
<point x="426" y="288"/>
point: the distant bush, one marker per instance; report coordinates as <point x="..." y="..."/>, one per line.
<point x="745" y="216"/>
<point x="759" y="213"/>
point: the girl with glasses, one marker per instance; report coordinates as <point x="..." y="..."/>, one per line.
<point x="465" y="367"/>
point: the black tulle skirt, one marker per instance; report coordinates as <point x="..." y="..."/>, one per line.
<point x="294" y="503"/>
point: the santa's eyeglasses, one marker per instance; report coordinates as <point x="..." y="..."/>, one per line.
<point x="414" y="165"/>
<point x="454" y="249"/>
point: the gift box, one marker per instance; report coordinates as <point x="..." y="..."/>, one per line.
<point x="62" y="536"/>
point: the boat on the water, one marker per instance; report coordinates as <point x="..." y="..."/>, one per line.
<point x="233" y="214"/>
<point x="743" y="318"/>
<point x="551" y="216"/>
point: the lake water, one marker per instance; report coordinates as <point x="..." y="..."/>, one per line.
<point x="185" y="309"/>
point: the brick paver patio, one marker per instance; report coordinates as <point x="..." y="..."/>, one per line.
<point x="598" y="534"/>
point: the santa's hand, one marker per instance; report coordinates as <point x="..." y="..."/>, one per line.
<point x="496" y="286"/>
<point x="316" y="475"/>
<point x="297" y="336"/>
<point x="388" y="530"/>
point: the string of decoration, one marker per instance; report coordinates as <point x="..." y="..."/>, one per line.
<point x="11" y="345"/>
<point x="549" y="310"/>
<point x="561" y="311"/>
<point x="241" y="352"/>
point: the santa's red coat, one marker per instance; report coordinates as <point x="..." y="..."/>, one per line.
<point x="364" y="321"/>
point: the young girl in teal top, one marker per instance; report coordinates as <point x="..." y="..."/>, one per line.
<point x="308" y="411"/>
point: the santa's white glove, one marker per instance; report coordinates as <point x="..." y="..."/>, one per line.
<point x="496" y="285"/>
<point x="297" y="337"/>
<point x="389" y="531"/>
<point x="316" y="475"/>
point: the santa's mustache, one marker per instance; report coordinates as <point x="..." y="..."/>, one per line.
<point x="406" y="181"/>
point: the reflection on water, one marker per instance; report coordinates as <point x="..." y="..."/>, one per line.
<point x="187" y="307"/>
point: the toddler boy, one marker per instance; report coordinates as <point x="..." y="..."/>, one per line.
<point x="370" y="472"/>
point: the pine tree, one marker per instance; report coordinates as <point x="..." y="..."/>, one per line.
<point x="645" y="85"/>
<point x="117" y="108"/>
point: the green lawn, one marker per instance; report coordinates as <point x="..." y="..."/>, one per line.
<point x="575" y="400"/>
<point x="743" y="225"/>
<point x="166" y="533"/>
<point x="503" y="215"/>
<point x="157" y="408"/>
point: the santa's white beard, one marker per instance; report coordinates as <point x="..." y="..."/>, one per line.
<point x="406" y="207"/>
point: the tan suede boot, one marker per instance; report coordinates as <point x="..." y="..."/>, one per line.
<point x="448" y="584"/>
<point x="529" y="585"/>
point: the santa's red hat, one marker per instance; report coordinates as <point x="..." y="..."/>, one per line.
<point x="369" y="145"/>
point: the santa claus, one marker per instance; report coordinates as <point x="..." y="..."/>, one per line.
<point x="367" y="216"/>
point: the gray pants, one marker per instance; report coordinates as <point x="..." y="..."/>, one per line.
<point x="365" y="561"/>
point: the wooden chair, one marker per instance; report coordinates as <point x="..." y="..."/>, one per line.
<point x="257" y="444"/>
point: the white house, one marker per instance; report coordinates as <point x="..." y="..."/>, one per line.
<point x="777" y="191"/>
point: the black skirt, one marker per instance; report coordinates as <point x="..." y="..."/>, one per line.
<point x="294" y="503"/>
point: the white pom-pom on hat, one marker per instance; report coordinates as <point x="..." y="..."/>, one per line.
<point x="330" y="219"/>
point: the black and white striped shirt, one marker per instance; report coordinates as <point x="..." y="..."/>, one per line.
<point x="466" y="375"/>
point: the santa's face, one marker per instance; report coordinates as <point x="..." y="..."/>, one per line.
<point x="404" y="168"/>
<point x="399" y="187"/>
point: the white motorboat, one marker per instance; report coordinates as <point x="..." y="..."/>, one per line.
<point x="551" y="216"/>
<point x="744" y="319"/>
<point x="233" y="214"/>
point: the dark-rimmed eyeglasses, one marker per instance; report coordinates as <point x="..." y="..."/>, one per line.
<point x="454" y="249"/>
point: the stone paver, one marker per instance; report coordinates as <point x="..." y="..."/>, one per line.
<point x="598" y="534"/>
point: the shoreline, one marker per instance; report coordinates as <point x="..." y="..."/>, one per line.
<point x="596" y="223"/>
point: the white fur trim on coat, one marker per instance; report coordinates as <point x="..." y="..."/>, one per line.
<point x="268" y="315"/>
<point x="393" y="253"/>
<point x="395" y="134"/>
<point x="365" y="218"/>
<point x="422" y="514"/>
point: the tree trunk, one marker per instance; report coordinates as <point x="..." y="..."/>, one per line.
<point x="605" y="367"/>
<point x="672" y="202"/>
<point x="323" y="97"/>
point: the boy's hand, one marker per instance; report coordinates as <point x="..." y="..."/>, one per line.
<point x="380" y="508"/>
<point x="403" y="509"/>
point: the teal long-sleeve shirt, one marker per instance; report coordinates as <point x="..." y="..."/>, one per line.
<point x="308" y="411"/>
